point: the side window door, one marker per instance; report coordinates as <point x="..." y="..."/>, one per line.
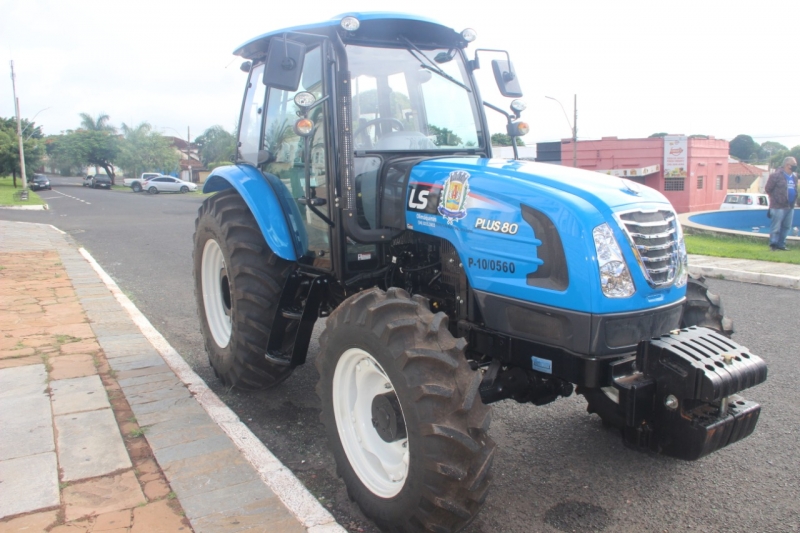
<point x="287" y="150"/>
<point x="252" y="114"/>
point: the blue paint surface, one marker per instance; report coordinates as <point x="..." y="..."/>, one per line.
<point x="575" y="200"/>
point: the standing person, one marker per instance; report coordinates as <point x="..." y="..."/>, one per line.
<point x="782" y="190"/>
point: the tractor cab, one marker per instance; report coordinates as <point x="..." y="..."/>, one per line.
<point x="331" y="107"/>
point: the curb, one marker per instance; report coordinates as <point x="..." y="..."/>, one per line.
<point x="297" y="499"/>
<point x="25" y="207"/>
<point x="773" y="280"/>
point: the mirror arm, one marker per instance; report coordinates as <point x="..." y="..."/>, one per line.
<point x="318" y="102"/>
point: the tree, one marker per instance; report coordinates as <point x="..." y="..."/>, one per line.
<point x="660" y="134"/>
<point x="776" y="161"/>
<point x="744" y="148"/>
<point x="769" y="149"/>
<point x="142" y="150"/>
<point x="444" y="136"/>
<point x="215" y="144"/>
<point x="502" y="139"/>
<point x="96" y="124"/>
<point x="32" y="145"/>
<point x="97" y="142"/>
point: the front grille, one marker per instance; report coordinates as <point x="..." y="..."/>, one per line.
<point x="653" y="235"/>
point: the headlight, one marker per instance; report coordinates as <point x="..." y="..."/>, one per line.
<point x="615" y="278"/>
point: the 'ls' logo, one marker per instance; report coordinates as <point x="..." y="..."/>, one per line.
<point x="419" y="198"/>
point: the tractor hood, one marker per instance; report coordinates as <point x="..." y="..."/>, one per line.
<point x="523" y="228"/>
<point x="510" y="177"/>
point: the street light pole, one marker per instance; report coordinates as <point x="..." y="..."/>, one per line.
<point x="572" y="126"/>
<point x="19" y="135"/>
<point x="30" y="123"/>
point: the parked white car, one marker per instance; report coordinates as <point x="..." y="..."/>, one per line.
<point x="168" y="184"/>
<point x="745" y="201"/>
<point x="136" y="183"/>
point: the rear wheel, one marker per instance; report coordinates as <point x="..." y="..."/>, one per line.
<point x="137" y="187"/>
<point x="403" y="414"/>
<point x="238" y="283"/>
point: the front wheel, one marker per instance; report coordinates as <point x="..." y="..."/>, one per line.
<point x="184" y="189"/>
<point x="403" y="414"/>
<point x="238" y="283"/>
<point x="152" y="190"/>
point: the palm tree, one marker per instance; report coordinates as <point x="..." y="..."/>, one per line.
<point x="96" y="124"/>
<point x="99" y="124"/>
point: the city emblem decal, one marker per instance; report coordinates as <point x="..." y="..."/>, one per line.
<point x="453" y="201"/>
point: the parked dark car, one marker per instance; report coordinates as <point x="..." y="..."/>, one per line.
<point x="39" y="182"/>
<point x="100" y="181"/>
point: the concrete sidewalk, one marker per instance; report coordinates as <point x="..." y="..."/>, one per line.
<point x="105" y="427"/>
<point x="784" y="275"/>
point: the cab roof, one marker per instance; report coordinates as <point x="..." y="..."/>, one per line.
<point x="375" y="26"/>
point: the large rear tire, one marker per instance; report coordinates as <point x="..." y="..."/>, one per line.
<point x="704" y="308"/>
<point x="238" y="283"/>
<point x="403" y="413"/>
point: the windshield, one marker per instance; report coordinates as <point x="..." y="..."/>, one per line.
<point x="401" y="104"/>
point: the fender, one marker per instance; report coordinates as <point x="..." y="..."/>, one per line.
<point x="270" y="202"/>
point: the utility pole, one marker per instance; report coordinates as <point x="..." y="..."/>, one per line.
<point x="575" y="133"/>
<point x="19" y="136"/>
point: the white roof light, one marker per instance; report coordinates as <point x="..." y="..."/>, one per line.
<point x="350" y="23"/>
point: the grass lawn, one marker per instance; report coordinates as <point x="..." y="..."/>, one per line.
<point x="7" y="191"/>
<point x="739" y="248"/>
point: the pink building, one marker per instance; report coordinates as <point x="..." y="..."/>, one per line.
<point x="691" y="173"/>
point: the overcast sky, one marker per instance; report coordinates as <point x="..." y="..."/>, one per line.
<point x="638" y="67"/>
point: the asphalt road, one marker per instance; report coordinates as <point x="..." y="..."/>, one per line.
<point x="557" y="468"/>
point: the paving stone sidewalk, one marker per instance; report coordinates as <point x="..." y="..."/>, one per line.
<point x="72" y="457"/>
<point x="98" y="432"/>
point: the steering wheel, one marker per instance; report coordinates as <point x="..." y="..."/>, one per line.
<point x="396" y="124"/>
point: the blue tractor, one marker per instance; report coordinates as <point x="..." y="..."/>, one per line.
<point x="364" y="191"/>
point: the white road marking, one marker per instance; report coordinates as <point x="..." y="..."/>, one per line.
<point x="73" y="197"/>
<point x="300" y="502"/>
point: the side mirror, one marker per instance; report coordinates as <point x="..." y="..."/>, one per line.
<point x="444" y="57"/>
<point x="264" y="156"/>
<point x="246" y="66"/>
<point x="506" y="78"/>
<point x="284" y="65"/>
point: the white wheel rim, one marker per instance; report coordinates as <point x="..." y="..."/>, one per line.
<point x="381" y="466"/>
<point x="214" y="284"/>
